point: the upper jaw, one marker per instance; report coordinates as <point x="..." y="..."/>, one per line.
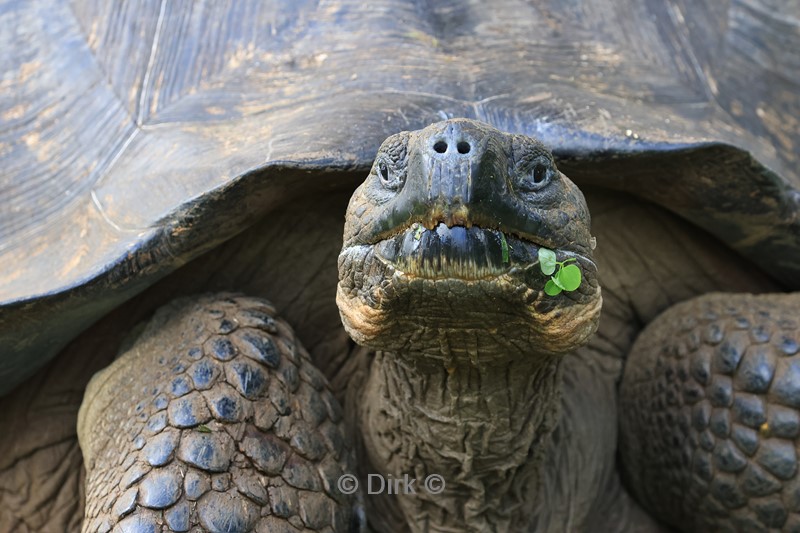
<point x="558" y="220"/>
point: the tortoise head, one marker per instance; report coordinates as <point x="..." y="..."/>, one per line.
<point x="441" y="248"/>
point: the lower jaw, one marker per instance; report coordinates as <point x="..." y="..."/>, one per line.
<point x="480" y="321"/>
<point x="413" y="321"/>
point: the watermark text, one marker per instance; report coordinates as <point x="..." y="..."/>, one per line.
<point x="388" y="484"/>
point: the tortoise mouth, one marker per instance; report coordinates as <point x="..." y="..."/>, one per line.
<point x="438" y="292"/>
<point x="468" y="253"/>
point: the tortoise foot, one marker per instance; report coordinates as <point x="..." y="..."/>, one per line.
<point x="214" y="418"/>
<point x="710" y="414"/>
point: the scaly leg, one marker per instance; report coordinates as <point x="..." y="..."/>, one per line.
<point x="710" y="414"/>
<point x="214" y="418"/>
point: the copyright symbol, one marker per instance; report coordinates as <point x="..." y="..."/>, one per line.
<point x="347" y="484"/>
<point x="434" y="484"/>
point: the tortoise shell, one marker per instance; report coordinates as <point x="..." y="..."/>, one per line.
<point x="137" y="135"/>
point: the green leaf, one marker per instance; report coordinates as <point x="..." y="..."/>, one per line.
<point x="569" y="277"/>
<point x="203" y="429"/>
<point x="556" y="281"/>
<point x="504" y="245"/>
<point x="547" y="261"/>
<point x="551" y="289"/>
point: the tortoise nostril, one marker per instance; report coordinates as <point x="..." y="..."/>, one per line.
<point x="463" y="147"/>
<point x="440" y="147"/>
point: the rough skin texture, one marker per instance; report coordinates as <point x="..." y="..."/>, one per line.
<point x="480" y="428"/>
<point x="710" y="405"/>
<point x="214" y="418"/>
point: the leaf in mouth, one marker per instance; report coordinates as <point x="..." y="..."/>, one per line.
<point x="551" y="289"/>
<point x="570" y="277"/>
<point x="567" y="278"/>
<point x="547" y="261"/>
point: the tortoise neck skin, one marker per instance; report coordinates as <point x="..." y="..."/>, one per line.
<point x="483" y="429"/>
<point x="439" y="274"/>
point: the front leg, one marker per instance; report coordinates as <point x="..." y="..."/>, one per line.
<point x="710" y="414"/>
<point x="214" y="418"/>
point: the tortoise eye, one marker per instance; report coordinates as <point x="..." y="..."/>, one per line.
<point x="390" y="179"/>
<point x="539" y="173"/>
<point x="535" y="178"/>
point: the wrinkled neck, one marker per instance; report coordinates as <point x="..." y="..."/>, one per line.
<point x="481" y="428"/>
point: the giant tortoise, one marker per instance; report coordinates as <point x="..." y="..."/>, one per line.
<point x="174" y="220"/>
